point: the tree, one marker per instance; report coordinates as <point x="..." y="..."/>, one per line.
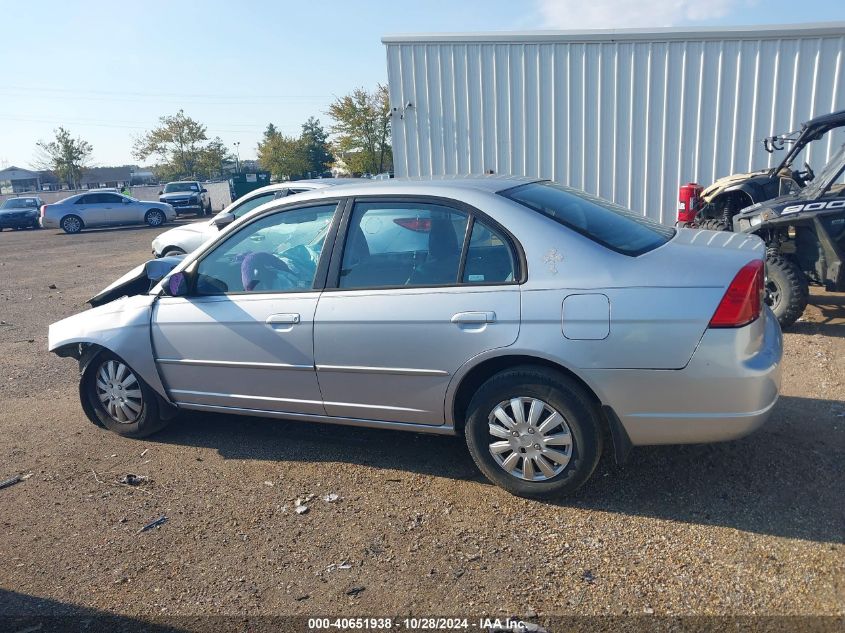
<point x="286" y="157"/>
<point x="362" y="123"/>
<point x="65" y="156"/>
<point x="212" y="157"/>
<point x="315" y="139"/>
<point x="178" y="140"/>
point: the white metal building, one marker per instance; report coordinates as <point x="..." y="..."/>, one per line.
<point x="625" y="114"/>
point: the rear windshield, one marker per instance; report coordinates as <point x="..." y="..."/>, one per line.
<point x="20" y="203"/>
<point x="608" y="224"/>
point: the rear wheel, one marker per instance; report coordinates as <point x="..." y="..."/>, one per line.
<point x="154" y="217"/>
<point x="534" y="432"/>
<point x="71" y="224"/>
<point x="787" y="290"/>
<point x="119" y="398"/>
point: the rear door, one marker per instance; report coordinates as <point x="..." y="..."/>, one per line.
<point x="92" y="208"/>
<point x="411" y="300"/>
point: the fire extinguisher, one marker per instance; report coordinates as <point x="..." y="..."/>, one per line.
<point x="689" y="198"/>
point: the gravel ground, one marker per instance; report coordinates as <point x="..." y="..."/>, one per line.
<point x="752" y="527"/>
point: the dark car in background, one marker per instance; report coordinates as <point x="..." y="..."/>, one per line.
<point x="20" y="213"/>
<point x="187" y="196"/>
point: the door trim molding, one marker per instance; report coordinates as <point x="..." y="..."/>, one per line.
<point x="402" y="371"/>
<point x="232" y="363"/>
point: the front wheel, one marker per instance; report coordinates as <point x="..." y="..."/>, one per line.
<point x="534" y="432"/>
<point x="71" y="224"/>
<point x="119" y="398"/>
<point x="787" y="290"/>
<point x="155" y="217"/>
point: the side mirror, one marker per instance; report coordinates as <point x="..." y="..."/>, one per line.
<point x="176" y="285"/>
<point x="203" y="190"/>
<point x="160" y="192"/>
<point x="224" y="220"/>
<point x="158" y="269"/>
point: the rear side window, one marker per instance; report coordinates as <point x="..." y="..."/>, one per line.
<point x="609" y="224"/>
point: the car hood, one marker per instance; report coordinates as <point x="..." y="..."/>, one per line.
<point x="177" y="195"/>
<point x="137" y="281"/>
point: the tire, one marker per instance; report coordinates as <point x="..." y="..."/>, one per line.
<point x="72" y="224"/>
<point x="579" y="425"/>
<point x="140" y="412"/>
<point x="787" y="290"/>
<point x="170" y="252"/>
<point x="714" y="224"/>
<point x="155" y="218"/>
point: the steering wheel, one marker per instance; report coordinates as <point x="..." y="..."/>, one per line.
<point x="258" y="271"/>
<point x="805" y="176"/>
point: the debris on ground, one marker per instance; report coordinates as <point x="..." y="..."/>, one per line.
<point x="331" y="497"/>
<point x="11" y="481"/>
<point x="149" y="526"/>
<point x="269" y="484"/>
<point x="301" y="597"/>
<point x="588" y="577"/>
<point x="300" y="509"/>
<point x="130" y="479"/>
<point x="52" y="287"/>
<point x="144" y="452"/>
<point x="355" y="591"/>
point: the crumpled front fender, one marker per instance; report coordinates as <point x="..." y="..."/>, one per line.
<point x="122" y="327"/>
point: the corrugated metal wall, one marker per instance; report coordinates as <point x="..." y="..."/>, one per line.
<point x="625" y="115"/>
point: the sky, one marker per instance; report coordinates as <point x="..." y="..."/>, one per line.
<point x="107" y="70"/>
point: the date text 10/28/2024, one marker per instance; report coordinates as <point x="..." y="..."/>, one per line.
<point x="492" y="625"/>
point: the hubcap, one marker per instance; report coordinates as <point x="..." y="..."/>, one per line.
<point x="119" y="392"/>
<point x="155" y="219"/>
<point x="72" y="225"/>
<point x="772" y="294"/>
<point x="530" y="439"/>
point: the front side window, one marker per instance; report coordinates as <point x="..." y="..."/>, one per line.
<point x="608" y="224"/>
<point x="277" y="253"/>
<point x="252" y="203"/>
<point x="394" y="244"/>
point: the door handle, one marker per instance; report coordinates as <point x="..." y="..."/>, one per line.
<point x="474" y="317"/>
<point x="282" y="319"/>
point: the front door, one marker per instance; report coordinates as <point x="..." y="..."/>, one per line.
<point x="243" y="339"/>
<point x="414" y="301"/>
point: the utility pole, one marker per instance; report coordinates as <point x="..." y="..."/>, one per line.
<point x="237" y="145"/>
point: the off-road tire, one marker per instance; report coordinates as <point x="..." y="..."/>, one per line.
<point x="148" y="421"/>
<point x="787" y="290"/>
<point x="72" y="224"/>
<point x="714" y="224"/>
<point x="155" y="218"/>
<point x="562" y="393"/>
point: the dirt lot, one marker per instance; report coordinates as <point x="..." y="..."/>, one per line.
<point x="752" y="527"/>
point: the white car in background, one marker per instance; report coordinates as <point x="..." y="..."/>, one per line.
<point x="184" y="239"/>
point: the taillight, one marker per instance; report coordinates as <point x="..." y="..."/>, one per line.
<point x="743" y="299"/>
<point x="689" y="196"/>
<point x="420" y="225"/>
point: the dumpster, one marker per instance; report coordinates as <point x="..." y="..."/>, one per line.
<point x="240" y="184"/>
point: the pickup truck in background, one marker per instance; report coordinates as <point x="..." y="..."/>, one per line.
<point x="187" y="196"/>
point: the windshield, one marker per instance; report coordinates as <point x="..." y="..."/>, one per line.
<point x="609" y="224"/>
<point x="174" y="187"/>
<point x="827" y="176"/>
<point x="20" y="203"/>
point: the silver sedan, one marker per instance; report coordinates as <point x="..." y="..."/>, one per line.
<point x="97" y="208"/>
<point x="532" y="319"/>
